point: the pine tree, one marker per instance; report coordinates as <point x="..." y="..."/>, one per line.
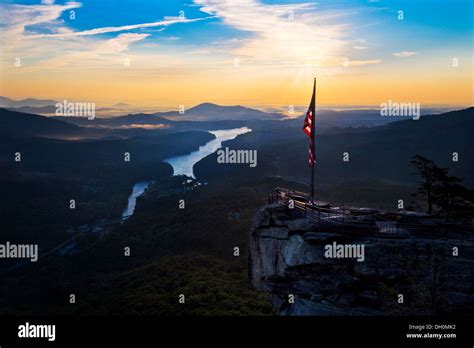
<point x="443" y="192"/>
<point x="426" y="170"/>
<point x="453" y="199"/>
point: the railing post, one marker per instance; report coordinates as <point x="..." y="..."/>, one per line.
<point x="343" y="218"/>
<point x="319" y="216"/>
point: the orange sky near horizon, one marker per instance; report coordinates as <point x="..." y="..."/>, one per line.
<point x="387" y="58"/>
<point x="361" y="86"/>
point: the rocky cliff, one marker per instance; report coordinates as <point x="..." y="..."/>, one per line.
<point x="432" y="269"/>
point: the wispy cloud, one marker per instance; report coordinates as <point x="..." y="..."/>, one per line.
<point x="16" y="18"/>
<point x="281" y="32"/>
<point x="104" y="30"/>
<point x="404" y="54"/>
<point x="98" y="53"/>
<point x="364" y="62"/>
<point x="42" y="40"/>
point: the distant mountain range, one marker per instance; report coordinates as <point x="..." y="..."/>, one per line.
<point x="41" y="110"/>
<point x="201" y="112"/>
<point x="29" y="102"/>
<point x="47" y="107"/>
<point x="205" y="114"/>
<point x="116" y="122"/>
<point x="213" y="112"/>
<point x="381" y="152"/>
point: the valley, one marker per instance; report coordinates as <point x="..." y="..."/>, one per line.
<point x="190" y="250"/>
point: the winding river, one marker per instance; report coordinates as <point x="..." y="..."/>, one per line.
<point x="183" y="165"/>
<point x="138" y="189"/>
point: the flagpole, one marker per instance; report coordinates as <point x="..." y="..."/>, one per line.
<point x="312" y="140"/>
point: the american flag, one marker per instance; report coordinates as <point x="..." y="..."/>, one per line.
<point x="308" y="128"/>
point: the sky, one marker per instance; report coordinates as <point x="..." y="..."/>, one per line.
<point x="248" y="52"/>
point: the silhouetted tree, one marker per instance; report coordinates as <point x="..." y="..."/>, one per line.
<point x="426" y="169"/>
<point x="442" y="190"/>
<point x="453" y="199"/>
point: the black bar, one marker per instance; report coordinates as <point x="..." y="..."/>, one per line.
<point x="224" y="330"/>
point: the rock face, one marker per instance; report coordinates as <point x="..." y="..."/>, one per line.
<point x="287" y="260"/>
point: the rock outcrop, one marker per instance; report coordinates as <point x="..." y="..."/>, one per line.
<point x="287" y="260"/>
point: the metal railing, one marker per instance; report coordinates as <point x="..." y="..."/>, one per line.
<point x="374" y="221"/>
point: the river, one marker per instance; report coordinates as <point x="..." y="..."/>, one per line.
<point x="183" y="165"/>
<point x="138" y="189"/>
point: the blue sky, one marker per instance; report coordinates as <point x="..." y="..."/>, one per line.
<point x="426" y="22"/>
<point x="285" y="41"/>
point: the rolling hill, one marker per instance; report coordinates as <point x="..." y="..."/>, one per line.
<point x="116" y="122"/>
<point x="19" y="124"/>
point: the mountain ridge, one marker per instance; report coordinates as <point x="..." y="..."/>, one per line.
<point x="26" y="125"/>
<point x="28" y="102"/>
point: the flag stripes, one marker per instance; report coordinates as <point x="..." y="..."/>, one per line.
<point x="311" y="158"/>
<point x="308" y="128"/>
<point x="307" y="123"/>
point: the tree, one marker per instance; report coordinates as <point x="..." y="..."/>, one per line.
<point x="453" y="199"/>
<point x="443" y="192"/>
<point x="426" y="170"/>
